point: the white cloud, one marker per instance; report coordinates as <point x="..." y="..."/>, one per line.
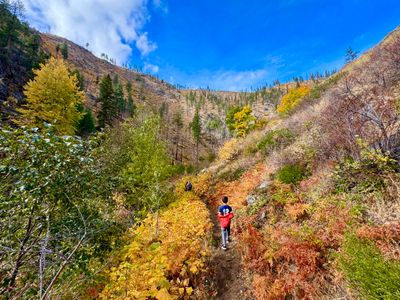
<point x="144" y="45"/>
<point x="151" y="68"/>
<point x="109" y="26"/>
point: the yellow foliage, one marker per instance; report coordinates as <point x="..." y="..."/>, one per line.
<point x="52" y="97"/>
<point x="162" y="268"/>
<point x="292" y="99"/>
<point x="230" y="149"/>
<point x="244" y="121"/>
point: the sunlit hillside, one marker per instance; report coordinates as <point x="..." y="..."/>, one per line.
<point x="115" y="183"/>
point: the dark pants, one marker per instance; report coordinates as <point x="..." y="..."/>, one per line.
<point x="229" y="230"/>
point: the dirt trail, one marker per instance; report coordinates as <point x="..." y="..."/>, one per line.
<point x="228" y="278"/>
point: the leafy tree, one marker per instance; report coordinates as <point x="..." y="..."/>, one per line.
<point x="350" y="55"/>
<point x="138" y="157"/>
<point x="53" y="208"/>
<point x="52" y="97"/>
<point x="230" y="120"/>
<point x="240" y="120"/>
<point x="109" y="109"/>
<point x="196" y="130"/>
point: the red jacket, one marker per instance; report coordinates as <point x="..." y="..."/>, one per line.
<point x="225" y="220"/>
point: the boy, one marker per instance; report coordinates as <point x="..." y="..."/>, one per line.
<point x="225" y="214"/>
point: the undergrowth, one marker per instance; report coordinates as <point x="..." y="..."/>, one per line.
<point x="291" y="174"/>
<point x="166" y="253"/>
<point x="367" y="271"/>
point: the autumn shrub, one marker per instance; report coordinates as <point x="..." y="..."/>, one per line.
<point x="231" y="149"/>
<point x="292" y="253"/>
<point x="201" y="184"/>
<point x="291" y="174"/>
<point x="303" y="150"/>
<point x="275" y="139"/>
<point x="364" y="174"/>
<point x="166" y="254"/>
<point x="231" y="175"/>
<point x="282" y="193"/>
<point x="367" y="271"/>
<point x="292" y="99"/>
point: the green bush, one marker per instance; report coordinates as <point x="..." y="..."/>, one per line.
<point x="275" y="139"/>
<point x="366" y="174"/>
<point x="291" y="174"/>
<point x="368" y="272"/>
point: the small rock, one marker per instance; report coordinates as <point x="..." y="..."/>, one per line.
<point x="264" y="185"/>
<point x="263" y="216"/>
<point x="251" y="199"/>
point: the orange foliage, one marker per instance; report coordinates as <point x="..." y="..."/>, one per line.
<point x="296" y="211"/>
<point x="290" y="255"/>
<point x="386" y="237"/>
<point x="238" y="190"/>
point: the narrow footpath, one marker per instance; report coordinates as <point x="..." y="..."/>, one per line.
<point x="227" y="275"/>
<point x="228" y="280"/>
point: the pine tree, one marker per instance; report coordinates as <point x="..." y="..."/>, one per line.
<point x="81" y="79"/>
<point x="350" y="55"/>
<point x="86" y="125"/>
<point x="109" y="109"/>
<point x="120" y="100"/>
<point x="178" y="122"/>
<point x="64" y="50"/>
<point x="52" y="97"/>
<point x="196" y="130"/>
<point x="130" y="105"/>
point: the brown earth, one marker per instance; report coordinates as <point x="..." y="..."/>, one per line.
<point x="229" y="281"/>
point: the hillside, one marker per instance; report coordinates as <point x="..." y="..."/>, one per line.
<point x="315" y="194"/>
<point x="310" y="168"/>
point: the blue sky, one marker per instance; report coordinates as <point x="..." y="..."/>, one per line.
<point x="228" y="45"/>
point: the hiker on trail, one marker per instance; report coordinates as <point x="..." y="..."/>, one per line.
<point x="188" y="186"/>
<point x="225" y="214"/>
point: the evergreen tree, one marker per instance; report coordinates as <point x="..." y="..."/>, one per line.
<point x="178" y="122"/>
<point x="109" y="109"/>
<point x="86" y="125"/>
<point x="64" y="50"/>
<point x="120" y="100"/>
<point x="196" y="130"/>
<point x="80" y="78"/>
<point x="130" y="105"/>
<point x="350" y="55"/>
<point x="52" y="97"/>
<point x="115" y="80"/>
